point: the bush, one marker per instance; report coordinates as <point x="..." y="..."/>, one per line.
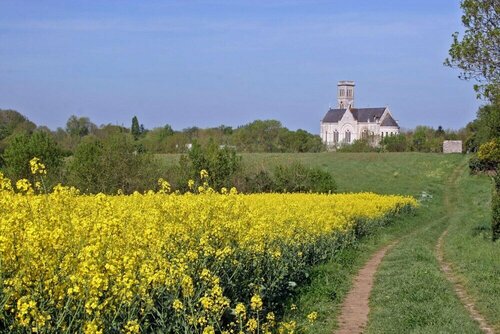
<point x="395" y="143"/>
<point x="112" y="164"/>
<point x="261" y="182"/>
<point x="495" y="219"/>
<point x="489" y="153"/>
<point x="221" y="163"/>
<point x="299" y="178"/>
<point x="359" y="145"/>
<point x="24" y="147"/>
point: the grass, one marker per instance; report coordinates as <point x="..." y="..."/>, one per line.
<point x="475" y="259"/>
<point x="384" y="173"/>
<point x="411" y="294"/>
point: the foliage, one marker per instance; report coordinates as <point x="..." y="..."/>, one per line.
<point x="271" y="136"/>
<point x="260" y="182"/>
<point x="24" y="147"/>
<point x="477" y="54"/>
<point x="395" y="143"/>
<point x="159" y="262"/>
<point x="79" y="126"/>
<point x="12" y="124"/>
<point x="495" y="215"/>
<point x="296" y="177"/>
<point x="424" y="139"/>
<point x="291" y="177"/>
<point x="487" y="157"/>
<point x="221" y="163"/>
<point x="111" y="164"/>
<point x="359" y="145"/>
<point x="135" y="129"/>
<point x="485" y="127"/>
<point x="489" y="153"/>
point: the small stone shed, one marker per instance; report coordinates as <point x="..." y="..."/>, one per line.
<point x="452" y="146"/>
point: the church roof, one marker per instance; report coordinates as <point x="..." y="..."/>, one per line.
<point x="367" y="114"/>
<point x="333" y="115"/>
<point x="360" y="114"/>
<point x="389" y="121"/>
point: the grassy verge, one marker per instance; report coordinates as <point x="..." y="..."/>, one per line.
<point x="474" y="258"/>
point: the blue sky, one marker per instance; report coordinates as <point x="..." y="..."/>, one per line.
<point x="212" y="62"/>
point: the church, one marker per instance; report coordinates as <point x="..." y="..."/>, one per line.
<point x="345" y="124"/>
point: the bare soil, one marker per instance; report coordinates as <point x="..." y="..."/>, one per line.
<point x="354" y="315"/>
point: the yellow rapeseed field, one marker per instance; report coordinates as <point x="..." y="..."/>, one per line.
<point x="201" y="262"/>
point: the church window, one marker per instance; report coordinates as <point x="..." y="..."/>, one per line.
<point x="348" y="136"/>
<point x="336" y="136"/>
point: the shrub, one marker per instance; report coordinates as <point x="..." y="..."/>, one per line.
<point x="395" y="143"/>
<point x="495" y="219"/>
<point x="298" y="178"/>
<point x="489" y="153"/>
<point x="24" y="147"/>
<point x="221" y="163"/>
<point x="359" y="145"/>
<point x="321" y="181"/>
<point x="261" y="182"/>
<point x="112" y="164"/>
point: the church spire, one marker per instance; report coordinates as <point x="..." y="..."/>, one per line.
<point x="345" y="94"/>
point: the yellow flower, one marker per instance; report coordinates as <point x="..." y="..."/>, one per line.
<point x="256" y="303"/>
<point x="177" y="305"/>
<point x="37" y="167"/>
<point x="24" y="185"/>
<point x="132" y="327"/>
<point x="312" y="317"/>
<point x="252" y="324"/>
<point x="203" y="174"/>
<point x="240" y="309"/>
<point x="209" y="330"/>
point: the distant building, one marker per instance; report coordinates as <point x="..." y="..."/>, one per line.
<point x="452" y="146"/>
<point x="345" y="124"/>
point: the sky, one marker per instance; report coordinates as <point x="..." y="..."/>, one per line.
<point x="211" y="62"/>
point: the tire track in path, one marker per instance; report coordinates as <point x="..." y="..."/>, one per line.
<point x="459" y="288"/>
<point x="354" y="315"/>
<point x="446" y="268"/>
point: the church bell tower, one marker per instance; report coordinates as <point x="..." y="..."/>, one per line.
<point x="345" y="94"/>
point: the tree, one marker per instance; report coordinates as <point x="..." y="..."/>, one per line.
<point x="79" y="126"/>
<point x="135" y="129"/>
<point x="484" y="128"/>
<point x="440" y="132"/>
<point x="477" y="54"/>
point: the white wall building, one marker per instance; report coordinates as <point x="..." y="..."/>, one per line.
<point x="347" y="124"/>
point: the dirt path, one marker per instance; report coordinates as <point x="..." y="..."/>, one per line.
<point x="459" y="288"/>
<point x="354" y="315"/>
